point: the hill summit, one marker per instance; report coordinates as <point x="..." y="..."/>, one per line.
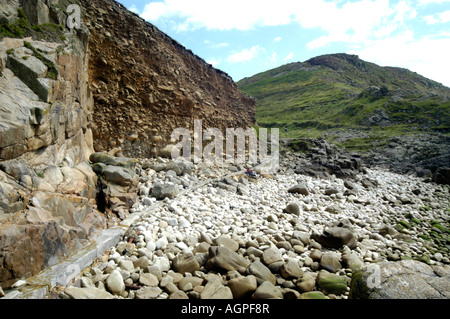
<point x="339" y="92"/>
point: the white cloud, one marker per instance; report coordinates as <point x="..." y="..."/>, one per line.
<point x="213" y="62"/>
<point x="424" y="56"/>
<point x="289" y="57"/>
<point x="245" y="55"/>
<point x="213" y="45"/>
<point x="341" y="21"/>
<point x="425" y="2"/>
<point x="220" y="15"/>
<point x="134" y="9"/>
<point x="442" y="17"/>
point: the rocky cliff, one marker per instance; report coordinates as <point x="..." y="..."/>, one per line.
<point x="145" y="84"/>
<point x="113" y="83"/>
<point x="47" y="187"/>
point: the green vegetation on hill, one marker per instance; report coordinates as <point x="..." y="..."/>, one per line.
<point x="339" y="93"/>
<point x="23" y="28"/>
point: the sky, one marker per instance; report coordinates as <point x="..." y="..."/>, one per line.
<point x="246" y="37"/>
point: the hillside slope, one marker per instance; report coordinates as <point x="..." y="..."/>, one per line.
<point x="340" y="93"/>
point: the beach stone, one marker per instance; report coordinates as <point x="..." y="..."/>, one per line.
<point x="126" y="265"/>
<point x="293" y="208"/>
<point x="148" y="279"/>
<point x="299" y="189"/>
<point x="306" y="283"/>
<point x="115" y="283"/>
<point x="267" y="290"/>
<point x="178" y="295"/>
<point x="261" y="272"/>
<point x="351" y="260"/>
<point x="243" y="286"/>
<point x="271" y="255"/>
<point x="336" y="237"/>
<point x="87" y="293"/>
<point x="193" y="281"/>
<point x="313" y="295"/>
<point x="215" y="290"/>
<point x="161" y="191"/>
<point x="331" y="283"/>
<point x="291" y="269"/>
<point x="227" y="242"/>
<point x="302" y="236"/>
<point x="222" y="258"/>
<point x="330" y="262"/>
<point x="184" y="263"/>
<point x="316" y="254"/>
<point x="148" y="293"/>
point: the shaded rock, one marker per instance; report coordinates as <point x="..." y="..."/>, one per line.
<point x="331" y="190"/>
<point x="183" y="263"/>
<point x="267" y="291"/>
<point x="161" y="191"/>
<point x="351" y="260"/>
<point x="388" y="230"/>
<point x="243" y="286"/>
<point x="104" y="158"/>
<point x="330" y="262"/>
<point x="336" y="237"/>
<point x="271" y="255"/>
<point x="306" y="283"/>
<point x="292" y="208"/>
<point x="222" y="258"/>
<point x="299" y="189"/>
<point x="261" y="272"/>
<point x="442" y="175"/>
<point x="291" y="269"/>
<point x="118" y="175"/>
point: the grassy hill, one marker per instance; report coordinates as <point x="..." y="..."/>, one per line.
<point x="340" y="95"/>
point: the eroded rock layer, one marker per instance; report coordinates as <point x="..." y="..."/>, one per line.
<point x="145" y="85"/>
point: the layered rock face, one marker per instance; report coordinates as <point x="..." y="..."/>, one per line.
<point x="145" y="85"/>
<point x="47" y="186"/>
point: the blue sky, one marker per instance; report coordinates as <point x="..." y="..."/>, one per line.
<point x="246" y="37"/>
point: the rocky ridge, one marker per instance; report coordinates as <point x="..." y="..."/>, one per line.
<point x="221" y="235"/>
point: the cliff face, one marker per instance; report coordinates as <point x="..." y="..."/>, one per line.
<point x="47" y="187"/>
<point x="145" y="85"/>
<point x="115" y="84"/>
